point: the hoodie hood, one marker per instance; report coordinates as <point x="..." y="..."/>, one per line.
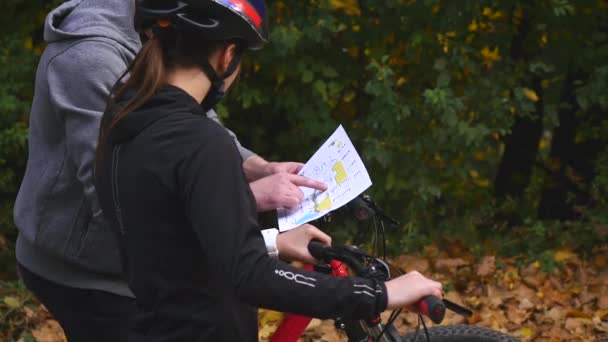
<point x="78" y="19"/>
<point x="169" y="100"/>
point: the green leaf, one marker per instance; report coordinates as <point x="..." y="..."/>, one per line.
<point x="307" y="76"/>
<point x="321" y="88"/>
<point x="440" y="64"/>
<point x="329" y="72"/>
<point x="443" y="80"/>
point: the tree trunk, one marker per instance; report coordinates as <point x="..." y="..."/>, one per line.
<point x="521" y="148"/>
<point x="572" y="164"/>
<point x="521" y="145"/>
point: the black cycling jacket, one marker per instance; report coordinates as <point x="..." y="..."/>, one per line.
<point x="171" y="184"/>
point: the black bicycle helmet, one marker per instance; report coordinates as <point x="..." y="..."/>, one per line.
<point x="215" y="20"/>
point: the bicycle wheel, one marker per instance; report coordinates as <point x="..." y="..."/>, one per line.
<point x="459" y="333"/>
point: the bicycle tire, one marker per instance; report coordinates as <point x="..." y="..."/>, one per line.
<point x="459" y="333"/>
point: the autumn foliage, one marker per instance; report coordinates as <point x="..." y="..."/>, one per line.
<point x="515" y="296"/>
<point x="483" y="125"/>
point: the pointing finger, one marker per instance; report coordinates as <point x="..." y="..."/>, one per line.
<point x="307" y="182"/>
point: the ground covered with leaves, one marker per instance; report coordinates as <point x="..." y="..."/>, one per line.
<point x="561" y="299"/>
<point x="564" y="301"/>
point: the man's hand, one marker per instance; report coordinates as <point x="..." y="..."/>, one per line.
<point x="281" y="190"/>
<point x="293" y="244"/>
<point x="256" y="167"/>
<point x="288" y="167"/>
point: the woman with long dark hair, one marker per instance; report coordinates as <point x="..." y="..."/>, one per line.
<point x="171" y="184"/>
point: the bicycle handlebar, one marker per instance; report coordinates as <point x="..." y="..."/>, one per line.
<point x="430" y="306"/>
<point x="317" y="249"/>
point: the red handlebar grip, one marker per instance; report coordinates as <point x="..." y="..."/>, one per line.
<point x="432" y="307"/>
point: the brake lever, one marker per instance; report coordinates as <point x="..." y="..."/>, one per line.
<point x="457" y="308"/>
<point x="372" y="204"/>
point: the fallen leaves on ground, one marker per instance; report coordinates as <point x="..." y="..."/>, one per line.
<point x="568" y="303"/>
<point x="518" y="297"/>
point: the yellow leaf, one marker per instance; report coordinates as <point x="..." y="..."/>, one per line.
<point x="473" y="26"/>
<point x="479" y="155"/>
<point x="496" y="15"/>
<point x="474" y="300"/>
<point x="482" y="182"/>
<point x="487" y="11"/>
<point x="544" y="143"/>
<point x="12" y="302"/>
<point x="544" y="39"/>
<point x="526" y="332"/>
<point x="269" y="316"/>
<point x="474" y="173"/>
<point x="490" y="56"/>
<point x="545" y="84"/>
<point x="28" y="43"/>
<point x="349" y="96"/>
<point x="350" y="7"/>
<point x="562" y="255"/>
<point x="530" y="94"/>
<point x="266" y="331"/>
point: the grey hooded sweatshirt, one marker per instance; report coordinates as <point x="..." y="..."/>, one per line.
<point x="63" y="235"/>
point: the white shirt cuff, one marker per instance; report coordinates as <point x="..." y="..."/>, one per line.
<point x="270" y="239"/>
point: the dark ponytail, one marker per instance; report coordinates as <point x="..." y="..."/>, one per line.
<point x="148" y="73"/>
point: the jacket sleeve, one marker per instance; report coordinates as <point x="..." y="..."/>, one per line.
<point x="245" y="153"/>
<point x="221" y="209"/>
<point x="79" y="81"/>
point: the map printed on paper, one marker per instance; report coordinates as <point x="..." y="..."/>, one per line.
<point x="338" y="165"/>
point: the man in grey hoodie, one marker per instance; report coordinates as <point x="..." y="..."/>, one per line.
<point x="66" y="253"/>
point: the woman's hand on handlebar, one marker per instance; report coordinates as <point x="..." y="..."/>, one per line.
<point x="408" y="289"/>
<point x="293" y="244"/>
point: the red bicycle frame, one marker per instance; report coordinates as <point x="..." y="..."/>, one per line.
<point x="293" y="326"/>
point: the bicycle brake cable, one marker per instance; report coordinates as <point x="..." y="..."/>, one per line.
<point x="389" y="323"/>
<point x="426" y="331"/>
<point x="383" y="240"/>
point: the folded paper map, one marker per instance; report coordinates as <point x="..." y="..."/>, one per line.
<point x="338" y="165"/>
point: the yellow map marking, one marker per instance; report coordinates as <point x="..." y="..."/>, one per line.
<point x="338" y="168"/>
<point x="340" y="144"/>
<point x="324" y="204"/>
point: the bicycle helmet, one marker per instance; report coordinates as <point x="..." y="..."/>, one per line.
<point x="215" y="20"/>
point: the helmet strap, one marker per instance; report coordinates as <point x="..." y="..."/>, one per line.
<point x="216" y="92"/>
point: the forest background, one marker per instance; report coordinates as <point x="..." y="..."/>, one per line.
<point x="483" y="124"/>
